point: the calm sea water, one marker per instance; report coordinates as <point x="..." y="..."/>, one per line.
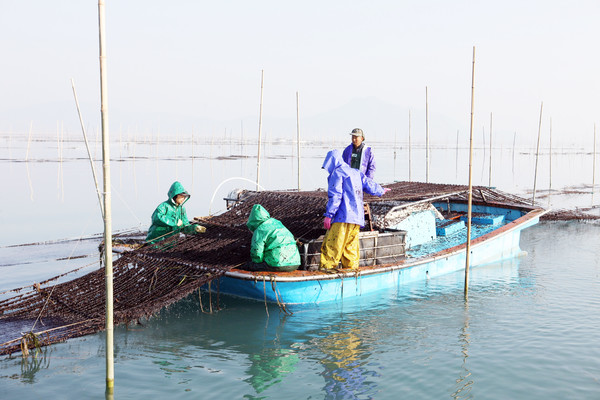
<point x="529" y="329"/>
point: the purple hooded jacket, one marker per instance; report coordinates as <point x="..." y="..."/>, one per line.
<point x="367" y="161"/>
<point x="345" y="190"/>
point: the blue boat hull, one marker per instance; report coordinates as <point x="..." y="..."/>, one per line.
<point x="314" y="287"/>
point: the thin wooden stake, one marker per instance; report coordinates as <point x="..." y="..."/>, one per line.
<point x="157" y="146"/>
<point x="62" y="177"/>
<point x="30" y="183"/>
<point x="426" y="135"/>
<point x="110" y="372"/>
<point x="10" y="147"/>
<point x="262" y="79"/>
<point x="409" y="151"/>
<point x="550" y="154"/>
<point x="177" y="153"/>
<point x="120" y="156"/>
<point x="456" y="156"/>
<point x="470" y="202"/>
<point x="513" y="153"/>
<point x="29" y="141"/>
<point x="87" y="146"/>
<point x="193" y="191"/>
<point x="242" y="137"/>
<point x="395" y="144"/>
<point x="537" y="154"/>
<point x="490" y="177"/>
<point x="58" y="159"/>
<point x="594" y="165"/>
<point x="121" y="143"/>
<point x="298" y="134"/>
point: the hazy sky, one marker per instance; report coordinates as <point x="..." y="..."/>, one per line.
<point x="204" y="59"/>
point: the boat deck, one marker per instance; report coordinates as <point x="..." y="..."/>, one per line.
<point x="458" y="237"/>
<point x="425" y="250"/>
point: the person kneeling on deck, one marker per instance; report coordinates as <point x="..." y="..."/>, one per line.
<point x="273" y="245"/>
<point x="345" y="214"/>
<point x="170" y="217"/>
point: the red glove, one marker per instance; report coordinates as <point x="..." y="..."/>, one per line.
<point x="327" y="223"/>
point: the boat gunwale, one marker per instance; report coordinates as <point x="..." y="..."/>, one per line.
<point x="535" y="212"/>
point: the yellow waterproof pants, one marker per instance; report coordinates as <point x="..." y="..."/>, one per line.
<point x="340" y="243"/>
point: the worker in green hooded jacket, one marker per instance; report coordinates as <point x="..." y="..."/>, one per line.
<point x="273" y="245"/>
<point x="170" y="217"/>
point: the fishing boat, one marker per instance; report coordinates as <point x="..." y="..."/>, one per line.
<point x="413" y="233"/>
<point x="417" y="232"/>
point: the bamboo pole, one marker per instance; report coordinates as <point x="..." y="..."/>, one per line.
<point x="426" y="135"/>
<point x="62" y="171"/>
<point x="210" y="158"/>
<point x="242" y="137"/>
<point x="395" y="144"/>
<point x="298" y="134"/>
<point x="120" y="156"/>
<point x="550" y="156"/>
<point x="594" y="165"/>
<point x="30" y="183"/>
<point x="58" y="160"/>
<point x="134" y="147"/>
<point x="29" y="141"/>
<point x="177" y="153"/>
<point x="470" y="202"/>
<point x="10" y="146"/>
<point x="262" y="79"/>
<point x="490" y="177"/>
<point x="193" y="191"/>
<point x="513" y="153"/>
<point x="409" y="151"/>
<point x="157" y="155"/>
<point x="537" y="154"/>
<point x="110" y="373"/>
<point x="456" y="156"/>
<point x="87" y="146"/>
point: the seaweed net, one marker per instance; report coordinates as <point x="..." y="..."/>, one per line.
<point x="580" y="214"/>
<point x="573" y="195"/>
<point x="149" y="278"/>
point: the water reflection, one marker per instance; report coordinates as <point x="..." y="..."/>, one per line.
<point x="271" y="363"/>
<point x="270" y="366"/>
<point x="30" y="366"/>
<point x="345" y="362"/>
<point x="269" y="351"/>
<point x="464" y="383"/>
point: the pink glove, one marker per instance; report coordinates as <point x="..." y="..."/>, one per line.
<point x="327" y="223"/>
<point x="385" y="190"/>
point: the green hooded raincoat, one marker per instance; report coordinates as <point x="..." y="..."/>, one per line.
<point x="272" y="242"/>
<point x="167" y="215"/>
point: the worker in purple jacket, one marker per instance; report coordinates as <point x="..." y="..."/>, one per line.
<point x="359" y="156"/>
<point x="345" y="214"/>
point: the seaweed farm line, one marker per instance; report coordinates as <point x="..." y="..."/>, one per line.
<point x="52" y="180"/>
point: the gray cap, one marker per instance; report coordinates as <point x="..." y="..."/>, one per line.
<point x="357" y="132"/>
